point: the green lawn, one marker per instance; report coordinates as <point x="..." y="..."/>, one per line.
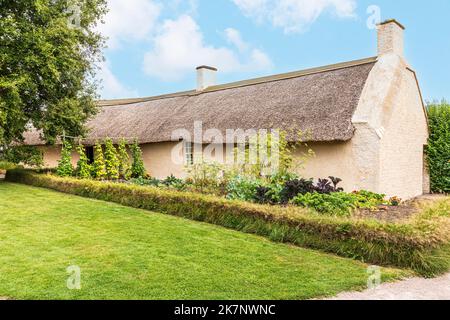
<point x="126" y="253"/>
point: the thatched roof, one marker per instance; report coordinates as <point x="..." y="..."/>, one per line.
<point x="319" y="101"/>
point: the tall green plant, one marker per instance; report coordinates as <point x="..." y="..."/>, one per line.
<point x="98" y="168"/>
<point x="124" y="160"/>
<point x="438" y="150"/>
<point x="28" y="155"/>
<point x="111" y="160"/>
<point x="84" y="169"/>
<point x="65" y="168"/>
<point x="137" y="168"/>
<point x="272" y="155"/>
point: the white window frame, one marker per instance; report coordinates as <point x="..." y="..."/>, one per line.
<point x="188" y="153"/>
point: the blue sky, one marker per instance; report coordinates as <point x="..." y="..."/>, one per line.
<point x="154" y="46"/>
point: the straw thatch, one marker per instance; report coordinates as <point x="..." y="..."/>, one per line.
<point x="318" y="101"/>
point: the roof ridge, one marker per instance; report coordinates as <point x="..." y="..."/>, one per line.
<point x="242" y="83"/>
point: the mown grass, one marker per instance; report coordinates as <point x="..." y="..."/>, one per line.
<point x="422" y="244"/>
<point x="127" y="253"/>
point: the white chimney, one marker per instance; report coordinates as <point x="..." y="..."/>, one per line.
<point x="390" y="38"/>
<point x="206" y="77"/>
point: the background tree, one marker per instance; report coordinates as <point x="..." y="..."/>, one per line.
<point x="111" y="160"/>
<point x="26" y="155"/>
<point x="124" y="160"/>
<point x="65" y="168"/>
<point x="48" y="54"/>
<point x="83" y="167"/>
<point x="98" y="167"/>
<point x="137" y="168"/>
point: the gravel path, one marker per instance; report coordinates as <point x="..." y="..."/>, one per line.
<point x="411" y="289"/>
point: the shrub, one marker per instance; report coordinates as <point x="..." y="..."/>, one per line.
<point x="173" y="182"/>
<point x="295" y="187"/>
<point x="124" y="160"/>
<point x="26" y="155"/>
<point x="438" y="150"/>
<point x="146" y="182"/>
<point x="422" y="244"/>
<point x="269" y="194"/>
<point x="98" y="167"/>
<point x="84" y="169"/>
<point x="65" y="168"/>
<point x="111" y="161"/>
<point x="395" y="201"/>
<point x="326" y="186"/>
<point x="206" y="177"/>
<point x="137" y="168"/>
<point x="5" y="165"/>
<point x="242" y="188"/>
<point x="338" y="203"/>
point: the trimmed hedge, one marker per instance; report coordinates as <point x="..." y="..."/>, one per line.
<point x="438" y="150"/>
<point x="422" y="245"/>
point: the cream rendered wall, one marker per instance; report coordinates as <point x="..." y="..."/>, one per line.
<point x="52" y="154"/>
<point x="159" y="162"/>
<point x="402" y="146"/>
<point x="391" y="130"/>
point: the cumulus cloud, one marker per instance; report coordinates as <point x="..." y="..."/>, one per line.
<point x="180" y="46"/>
<point x="110" y="86"/>
<point x="234" y="37"/>
<point x="294" y="15"/>
<point x="130" y="20"/>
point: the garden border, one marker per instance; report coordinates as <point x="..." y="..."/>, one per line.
<point x="422" y="245"/>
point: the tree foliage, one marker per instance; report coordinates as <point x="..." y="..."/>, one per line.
<point x="48" y="55"/>
<point x="137" y="168"/>
<point x="65" y="168"/>
<point x="438" y="150"/>
<point x="26" y="155"/>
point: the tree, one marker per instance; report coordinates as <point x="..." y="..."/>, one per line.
<point x="111" y="160"/>
<point x="65" y="168"/>
<point x="137" y="168"/>
<point x="26" y="155"/>
<point x="48" y="54"/>
<point x="124" y="160"/>
<point x="98" y="168"/>
<point x="83" y="167"/>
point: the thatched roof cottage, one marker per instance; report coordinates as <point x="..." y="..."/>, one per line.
<point x="366" y="119"/>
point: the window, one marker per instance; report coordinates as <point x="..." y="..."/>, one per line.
<point x="188" y="154"/>
<point x="90" y="154"/>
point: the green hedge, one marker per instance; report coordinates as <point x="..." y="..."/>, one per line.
<point x="421" y="246"/>
<point x="438" y="150"/>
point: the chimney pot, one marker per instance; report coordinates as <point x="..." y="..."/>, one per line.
<point x="206" y="77"/>
<point x="390" y="38"/>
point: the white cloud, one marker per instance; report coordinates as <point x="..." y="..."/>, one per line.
<point x="111" y="87"/>
<point x="180" y="47"/>
<point x="189" y="7"/>
<point x="294" y="15"/>
<point x="129" y="20"/>
<point x="234" y="37"/>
